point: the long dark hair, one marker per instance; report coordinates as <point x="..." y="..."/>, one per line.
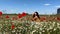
<point x="36" y="15"/>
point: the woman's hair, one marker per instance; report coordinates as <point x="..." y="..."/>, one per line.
<point x="36" y="15"/>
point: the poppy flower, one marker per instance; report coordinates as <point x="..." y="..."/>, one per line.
<point x="7" y="16"/>
<point x="43" y="18"/>
<point x="58" y="18"/>
<point x="23" y="14"/>
<point x="12" y="26"/>
<point x="19" y="15"/>
<point x="0" y="13"/>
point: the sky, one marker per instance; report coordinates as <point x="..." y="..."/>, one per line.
<point x="29" y="6"/>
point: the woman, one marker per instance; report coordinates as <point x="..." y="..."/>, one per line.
<point x="36" y="17"/>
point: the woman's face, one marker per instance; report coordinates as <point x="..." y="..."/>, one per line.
<point x="35" y="14"/>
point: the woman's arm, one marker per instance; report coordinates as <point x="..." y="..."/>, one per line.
<point x="34" y="18"/>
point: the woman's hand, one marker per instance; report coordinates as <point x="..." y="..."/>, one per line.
<point x="35" y="18"/>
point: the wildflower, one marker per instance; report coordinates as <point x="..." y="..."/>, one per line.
<point x="23" y="14"/>
<point x="58" y="18"/>
<point x="47" y="29"/>
<point x="19" y="15"/>
<point x="12" y="26"/>
<point x="51" y="27"/>
<point x="0" y="13"/>
<point x="54" y="29"/>
<point x="7" y="16"/>
<point x="43" y="31"/>
<point x="33" y="31"/>
<point x="43" y="18"/>
<point x="58" y="24"/>
<point x="40" y="32"/>
<point x="13" y="31"/>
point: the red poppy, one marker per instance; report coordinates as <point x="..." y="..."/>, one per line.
<point x="12" y="26"/>
<point x="19" y="15"/>
<point x="23" y="14"/>
<point x="58" y="18"/>
<point x="0" y="13"/>
<point x="7" y="16"/>
<point x="43" y="18"/>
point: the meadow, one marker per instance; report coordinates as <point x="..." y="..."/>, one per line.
<point x="17" y="24"/>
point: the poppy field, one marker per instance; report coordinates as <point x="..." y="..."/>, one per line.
<point x="22" y="24"/>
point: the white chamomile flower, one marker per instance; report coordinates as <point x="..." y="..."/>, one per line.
<point x="54" y="29"/>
